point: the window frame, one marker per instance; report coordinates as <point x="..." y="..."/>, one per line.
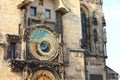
<point x="49" y="10"/>
<point x="35" y="12"/>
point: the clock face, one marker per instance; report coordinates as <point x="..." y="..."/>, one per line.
<point x="43" y="75"/>
<point x="43" y="44"/>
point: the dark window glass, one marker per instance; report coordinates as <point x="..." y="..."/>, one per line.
<point x="84" y="27"/>
<point x="48" y="13"/>
<point x="13" y="48"/>
<point x="12" y="51"/>
<point x="96" y="77"/>
<point x="33" y="11"/>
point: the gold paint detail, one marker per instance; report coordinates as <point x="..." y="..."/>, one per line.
<point x="43" y="75"/>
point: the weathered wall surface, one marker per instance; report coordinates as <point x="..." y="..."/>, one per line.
<point x="72" y="35"/>
<point x="75" y="70"/>
<point x="72" y="25"/>
<point x="10" y="16"/>
<point x="95" y="66"/>
<point x="9" y="21"/>
<point x="111" y="74"/>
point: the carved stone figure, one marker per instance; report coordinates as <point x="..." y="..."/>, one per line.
<point x="104" y="35"/>
<point x="97" y="46"/>
<point x="41" y="16"/>
<point x="95" y="35"/>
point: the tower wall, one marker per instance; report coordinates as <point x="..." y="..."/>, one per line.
<point x="63" y="56"/>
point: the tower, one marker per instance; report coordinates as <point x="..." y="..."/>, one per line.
<point x="53" y="40"/>
<point x="94" y="39"/>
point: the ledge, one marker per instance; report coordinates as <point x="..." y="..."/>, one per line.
<point x="13" y="38"/>
<point x="77" y="50"/>
<point x="33" y="21"/>
<point x="96" y="55"/>
<point x="63" y="10"/>
<point x="18" y="65"/>
<point x="25" y="3"/>
<point x="60" y="6"/>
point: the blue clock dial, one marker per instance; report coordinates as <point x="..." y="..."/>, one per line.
<point x="43" y="44"/>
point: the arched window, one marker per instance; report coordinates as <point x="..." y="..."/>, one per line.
<point x="84" y="28"/>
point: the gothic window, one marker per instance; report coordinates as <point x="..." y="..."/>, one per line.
<point x="41" y="2"/>
<point x="48" y="14"/>
<point x="84" y="26"/>
<point x="33" y="11"/>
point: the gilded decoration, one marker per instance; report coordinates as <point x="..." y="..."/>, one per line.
<point x="43" y="75"/>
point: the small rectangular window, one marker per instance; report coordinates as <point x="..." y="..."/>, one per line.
<point x="33" y="11"/>
<point x="11" y="51"/>
<point x="48" y="14"/>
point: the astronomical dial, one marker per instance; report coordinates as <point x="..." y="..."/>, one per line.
<point x="43" y="44"/>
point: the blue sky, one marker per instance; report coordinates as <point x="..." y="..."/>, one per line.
<point x="111" y="9"/>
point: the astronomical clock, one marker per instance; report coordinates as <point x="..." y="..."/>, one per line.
<point x="43" y="44"/>
<point x="41" y="41"/>
<point x="43" y="47"/>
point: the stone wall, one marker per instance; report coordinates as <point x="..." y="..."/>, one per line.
<point x="72" y="25"/>
<point x="10" y="16"/>
<point x="75" y="70"/>
<point x="9" y="21"/>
